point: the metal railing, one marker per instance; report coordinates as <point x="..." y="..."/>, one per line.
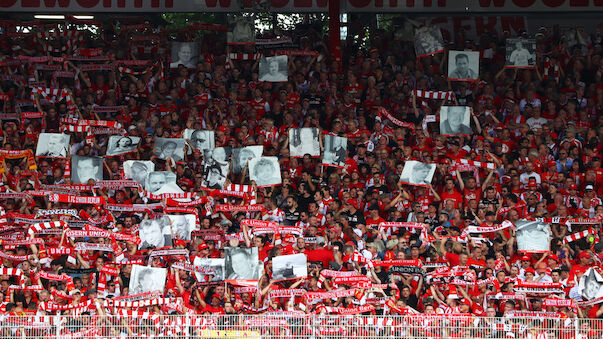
<point x="298" y="326"/>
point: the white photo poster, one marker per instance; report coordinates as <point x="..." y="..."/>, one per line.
<point x="121" y="144"/>
<point x="455" y="120"/>
<point x="265" y="171"/>
<point x="292" y="266"/>
<point x="147" y="279"/>
<point x="200" y="139"/>
<point x="212" y="269"/>
<point x="335" y="151"/>
<point x="463" y="65"/>
<point x="185" y="54"/>
<point x="533" y="236"/>
<point x="243" y="154"/>
<point x="53" y="145"/>
<point x="241" y="263"/>
<point x="183" y="225"/>
<point x="138" y="170"/>
<point x="304" y="141"/>
<point x="428" y="40"/>
<point x="274" y="69"/>
<point x="166" y="148"/>
<point x="521" y="53"/>
<point x="417" y="173"/>
<point x="241" y="30"/>
<point x="161" y="181"/>
<point x="590" y="284"/>
<point x="155" y="233"/>
<point x="86" y="168"/>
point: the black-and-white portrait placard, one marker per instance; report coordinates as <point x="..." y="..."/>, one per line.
<point x="241" y="30"/>
<point x="590" y="285"/>
<point x="242" y="154"/>
<point x="241" y="263"/>
<point x="155" y="233"/>
<point x="335" y="151"/>
<point x="220" y="155"/>
<point x="183" y="225"/>
<point x="521" y="53"/>
<point x="214" y="269"/>
<point x="121" y="144"/>
<point x="455" y="120"/>
<point x="86" y="168"/>
<point x="215" y="174"/>
<point x="147" y="279"/>
<point x="200" y="139"/>
<point x="417" y="173"/>
<point x="169" y="148"/>
<point x="463" y="65"/>
<point x="292" y="266"/>
<point x="138" y="170"/>
<point x="160" y="181"/>
<point x="265" y="171"/>
<point x="184" y="53"/>
<point x="533" y="236"/>
<point x="304" y="141"/>
<point x="53" y="145"/>
<point x="428" y="40"/>
<point x="274" y="69"/>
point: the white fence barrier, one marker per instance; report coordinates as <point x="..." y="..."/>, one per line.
<point x="291" y="325"/>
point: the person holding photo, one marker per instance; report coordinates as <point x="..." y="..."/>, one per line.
<point x="520" y="56"/>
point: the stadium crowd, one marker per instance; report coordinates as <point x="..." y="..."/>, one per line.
<point x="451" y="247"/>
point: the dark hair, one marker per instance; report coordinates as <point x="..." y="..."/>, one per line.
<point x="461" y="56"/>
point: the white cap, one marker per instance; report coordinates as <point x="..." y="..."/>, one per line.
<point x="589" y="187"/>
<point x="358" y="232"/>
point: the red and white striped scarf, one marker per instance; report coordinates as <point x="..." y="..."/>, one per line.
<point x="487" y="165"/>
<point x="384" y="113"/>
<point x="547" y="71"/>
<point x="578" y="236"/>
<point x="36" y="228"/>
<point x="436" y="95"/>
<point x="243" y="56"/>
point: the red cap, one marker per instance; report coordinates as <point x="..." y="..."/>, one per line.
<point x="466" y="302"/>
<point x="532" y="183"/>
<point x="584" y="254"/>
<point x="222" y="128"/>
<point x="203" y="247"/>
<point x="530" y="270"/>
<point x="352" y="202"/>
<point x="215" y="295"/>
<point x="350" y="243"/>
<point x="525" y="257"/>
<point x="573" y="187"/>
<point x="554" y="257"/>
<point x="180" y="242"/>
<point x="552" y="163"/>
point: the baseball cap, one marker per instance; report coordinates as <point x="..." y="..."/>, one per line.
<point x="532" y="183"/>
<point x="573" y="187"/>
<point x="530" y="270"/>
<point x="584" y="254"/>
<point x="589" y="188"/>
<point x="525" y="258"/>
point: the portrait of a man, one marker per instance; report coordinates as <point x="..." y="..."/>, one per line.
<point x="463" y="65"/>
<point x="184" y="53"/>
<point x="182" y="225"/>
<point x="590" y="284"/>
<point x="289" y="266"/>
<point x="274" y="69"/>
<point x="215" y="175"/>
<point x="265" y="171"/>
<point x="155" y="233"/>
<point x="216" y="266"/>
<point x="428" y="40"/>
<point x="455" y="120"/>
<point x="335" y="153"/>
<point x="241" y="263"/>
<point x="200" y="140"/>
<point x="159" y="180"/>
<point x="86" y="169"/>
<point x="53" y="145"/>
<point x="244" y="154"/>
<point x="417" y="173"/>
<point x="166" y="148"/>
<point x="241" y="30"/>
<point x="138" y="170"/>
<point x="521" y="53"/>
<point x="147" y="279"/>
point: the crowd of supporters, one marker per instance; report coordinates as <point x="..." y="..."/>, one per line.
<point x="449" y="247"/>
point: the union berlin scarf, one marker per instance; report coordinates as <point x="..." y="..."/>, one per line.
<point x="436" y="95"/>
<point x="311" y="296"/>
<point x="73" y="38"/>
<point x="239" y="208"/>
<point x="297" y="53"/>
<point x="345" y="311"/>
<point x="578" y="236"/>
<point x="538" y="287"/>
<point x="558" y="302"/>
<point x="487" y="165"/>
<point x="477" y="229"/>
<point x="259" y="223"/>
<point x="192" y="268"/>
<point x="384" y="113"/>
<point x="243" y="56"/>
<point x="332" y="274"/>
<point x="74" y="199"/>
<point x="417" y="225"/>
<point x="49" y="93"/>
<point x="358" y="258"/>
<point x="57" y="277"/>
<point x="285" y="293"/>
